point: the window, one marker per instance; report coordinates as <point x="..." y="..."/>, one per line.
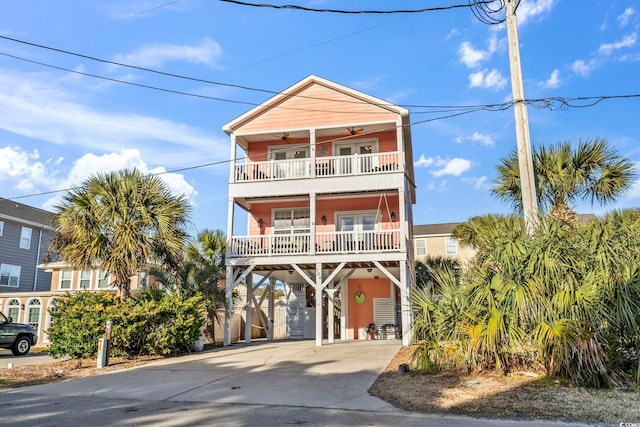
<point x="143" y="280"/>
<point x="103" y="279"/>
<point x="85" y="279"/>
<point x="33" y="313"/>
<point x="9" y="275"/>
<point x="13" y="309"/>
<point x="291" y="221"/>
<point x="65" y="279"/>
<point x="1" y="227"/>
<point x="451" y="245"/>
<point x="25" y="238"/>
<point x="421" y="247"/>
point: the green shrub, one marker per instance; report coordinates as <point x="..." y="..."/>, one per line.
<point x="152" y="322"/>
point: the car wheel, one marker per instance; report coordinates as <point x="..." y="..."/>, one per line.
<point x="21" y="346"/>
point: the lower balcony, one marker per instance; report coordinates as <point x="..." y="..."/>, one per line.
<point x="340" y="242"/>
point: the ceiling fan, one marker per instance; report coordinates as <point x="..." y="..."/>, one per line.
<point x="354" y="131"/>
<point x="284" y="136"/>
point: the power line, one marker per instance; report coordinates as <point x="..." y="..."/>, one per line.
<point x="351" y="12"/>
<point x="133" y="15"/>
<point x="184" y="77"/>
<point x="542" y="103"/>
<point x="551" y="103"/>
<point x="221" y="162"/>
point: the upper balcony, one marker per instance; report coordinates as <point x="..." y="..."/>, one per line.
<point x="330" y="166"/>
<point x="337" y="242"/>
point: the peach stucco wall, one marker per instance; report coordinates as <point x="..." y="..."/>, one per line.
<point x="258" y="150"/>
<point x="328" y="208"/>
<point x="361" y="315"/>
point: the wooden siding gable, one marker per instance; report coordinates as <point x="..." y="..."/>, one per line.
<point x="315" y="103"/>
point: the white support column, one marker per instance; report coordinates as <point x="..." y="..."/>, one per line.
<point x="404" y="223"/>
<point x="312" y="210"/>
<point x="405" y="305"/>
<point x="344" y="304"/>
<point x="318" y="286"/>
<point x="270" y="310"/>
<point x="400" y="145"/>
<point x="312" y="151"/>
<point x="330" y="328"/>
<point x="228" y="306"/>
<point x="230" y="213"/>
<point x="247" y="309"/>
<point x="232" y="157"/>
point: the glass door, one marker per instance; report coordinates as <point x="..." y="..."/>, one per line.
<point x="356" y="230"/>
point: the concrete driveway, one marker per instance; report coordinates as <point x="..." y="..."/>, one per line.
<point x="290" y="373"/>
<point x="33" y="358"/>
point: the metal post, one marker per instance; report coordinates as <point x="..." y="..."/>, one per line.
<point x="103" y="346"/>
<point x="525" y="158"/>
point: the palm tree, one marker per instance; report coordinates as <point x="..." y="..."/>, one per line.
<point x="205" y="257"/>
<point x="592" y="171"/>
<point x="121" y="222"/>
<point x="429" y="266"/>
<point x="205" y="269"/>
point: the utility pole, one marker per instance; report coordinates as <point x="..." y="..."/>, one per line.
<point x="525" y="158"/>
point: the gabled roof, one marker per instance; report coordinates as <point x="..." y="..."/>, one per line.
<point x="434" y="229"/>
<point x="336" y="101"/>
<point x="18" y="212"/>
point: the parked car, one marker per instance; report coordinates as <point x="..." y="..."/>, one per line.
<point x="16" y="336"/>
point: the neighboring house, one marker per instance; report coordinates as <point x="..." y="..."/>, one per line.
<point x="435" y="240"/>
<point x="36" y="308"/>
<point x="25" y="233"/>
<point x="322" y="178"/>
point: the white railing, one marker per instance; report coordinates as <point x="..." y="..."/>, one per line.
<point x="357" y="164"/>
<point x="373" y="241"/>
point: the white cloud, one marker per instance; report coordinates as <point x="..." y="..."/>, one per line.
<point x="634" y="192"/>
<point x="582" y="68"/>
<point x="91" y="164"/>
<point x="22" y="168"/>
<point x="485" y="140"/>
<point x="453" y="33"/>
<point x="529" y="9"/>
<point x="627" y="41"/>
<point x="553" y="81"/>
<point x="472" y="57"/>
<point x="455" y="167"/>
<point x="487" y="79"/>
<point x="36" y="106"/>
<point x="478" y="183"/>
<point x="425" y="162"/>
<point x="26" y="172"/>
<point x="155" y="55"/>
<point x="624" y="18"/>
<point x="632" y="57"/>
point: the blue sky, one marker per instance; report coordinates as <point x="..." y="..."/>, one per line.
<point x="59" y="127"/>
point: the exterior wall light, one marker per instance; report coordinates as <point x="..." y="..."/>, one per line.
<point x="260" y="222"/>
<point x="323" y="219"/>
<point x="393" y="217"/>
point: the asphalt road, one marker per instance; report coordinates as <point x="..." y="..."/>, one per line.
<point x="270" y="384"/>
<point x="52" y="411"/>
